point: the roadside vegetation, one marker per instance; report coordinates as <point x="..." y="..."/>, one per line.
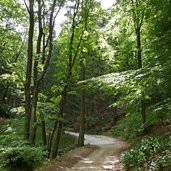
<point x="152" y="150"/>
<point x="17" y="154"/>
<point x="105" y="70"/>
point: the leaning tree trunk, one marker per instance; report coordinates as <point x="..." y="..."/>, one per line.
<point x="72" y="58"/>
<point x="60" y="123"/>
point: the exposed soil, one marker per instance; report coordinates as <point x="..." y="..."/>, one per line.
<point x="70" y="159"/>
<point x="102" y="154"/>
<point x="106" y="158"/>
<point x="159" y="130"/>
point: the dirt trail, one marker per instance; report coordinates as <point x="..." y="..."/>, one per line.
<point x="105" y="158"/>
<point x="100" y="154"/>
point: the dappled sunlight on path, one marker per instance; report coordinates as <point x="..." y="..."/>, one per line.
<point x="105" y="158"/>
<point x="96" y="163"/>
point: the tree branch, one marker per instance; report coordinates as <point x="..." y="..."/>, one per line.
<point x="27" y="6"/>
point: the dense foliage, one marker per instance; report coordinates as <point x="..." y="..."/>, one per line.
<point x="105" y="69"/>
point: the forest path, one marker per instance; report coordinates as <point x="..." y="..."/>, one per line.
<point x="105" y="158"/>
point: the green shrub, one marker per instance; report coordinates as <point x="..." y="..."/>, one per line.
<point x="21" y="157"/>
<point x="150" y="146"/>
<point x="133" y="158"/>
<point x="153" y="154"/>
<point x="118" y="129"/>
<point x="14" y="151"/>
<point x="158" y="162"/>
<point x="17" y="111"/>
<point x="129" y="127"/>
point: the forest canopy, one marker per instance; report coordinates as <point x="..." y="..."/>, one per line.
<point x="96" y="68"/>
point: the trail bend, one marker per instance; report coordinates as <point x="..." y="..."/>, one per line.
<point x="105" y="158"/>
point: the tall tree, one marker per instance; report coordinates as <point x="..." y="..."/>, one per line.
<point x="82" y="103"/>
<point x="77" y="32"/>
<point x="43" y="51"/>
<point x="27" y="85"/>
<point x="138" y="14"/>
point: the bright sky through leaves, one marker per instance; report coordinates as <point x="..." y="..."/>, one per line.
<point x="61" y="18"/>
<point x="106" y="3"/>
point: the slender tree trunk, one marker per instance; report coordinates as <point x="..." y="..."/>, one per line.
<point x="29" y="72"/>
<point x="33" y="124"/>
<point x="82" y="105"/>
<point x="143" y="112"/>
<point x="33" y="120"/>
<point x="43" y="124"/>
<point x="100" y="108"/>
<point x="30" y="108"/>
<point x="57" y="138"/>
<point x="60" y="123"/>
<point x="43" y="127"/>
<point x="139" y="55"/>
<point x="65" y="90"/>
<point x="139" y="63"/>
<point x="51" y="136"/>
<point x="72" y="57"/>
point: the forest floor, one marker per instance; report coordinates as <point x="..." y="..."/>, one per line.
<point x="101" y="153"/>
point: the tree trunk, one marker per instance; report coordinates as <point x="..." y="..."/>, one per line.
<point x="82" y="105"/>
<point x="60" y="123"/>
<point x="143" y="113"/>
<point x="71" y="61"/>
<point x="33" y="120"/>
<point x="139" y="63"/>
<point x="57" y="140"/>
<point x="51" y="136"/>
<point x="29" y="72"/>
<point x="43" y="127"/>
<point x="139" y="55"/>
<point x="43" y="124"/>
<point x="30" y="109"/>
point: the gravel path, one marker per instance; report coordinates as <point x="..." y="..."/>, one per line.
<point x="106" y="158"/>
<point x="95" y="139"/>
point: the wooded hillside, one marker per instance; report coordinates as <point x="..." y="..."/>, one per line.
<point x="103" y="70"/>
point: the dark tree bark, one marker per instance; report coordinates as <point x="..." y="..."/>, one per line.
<point x="29" y="71"/>
<point x="31" y="105"/>
<point x="139" y="55"/>
<point x="138" y="17"/>
<point x="72" y="58"/>
<point x="33" y="120"/>
<point x="43" y="127"/>
<point x="58" y="132"/>
<point x="64" y="93"/>
<point x="139" y="65"/>
<point x="82" y="104"/>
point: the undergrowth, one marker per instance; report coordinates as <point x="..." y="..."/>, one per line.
<point x="152" y="154"/>
<point x="152" y="149"/>
<point x="17" y="155"/>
